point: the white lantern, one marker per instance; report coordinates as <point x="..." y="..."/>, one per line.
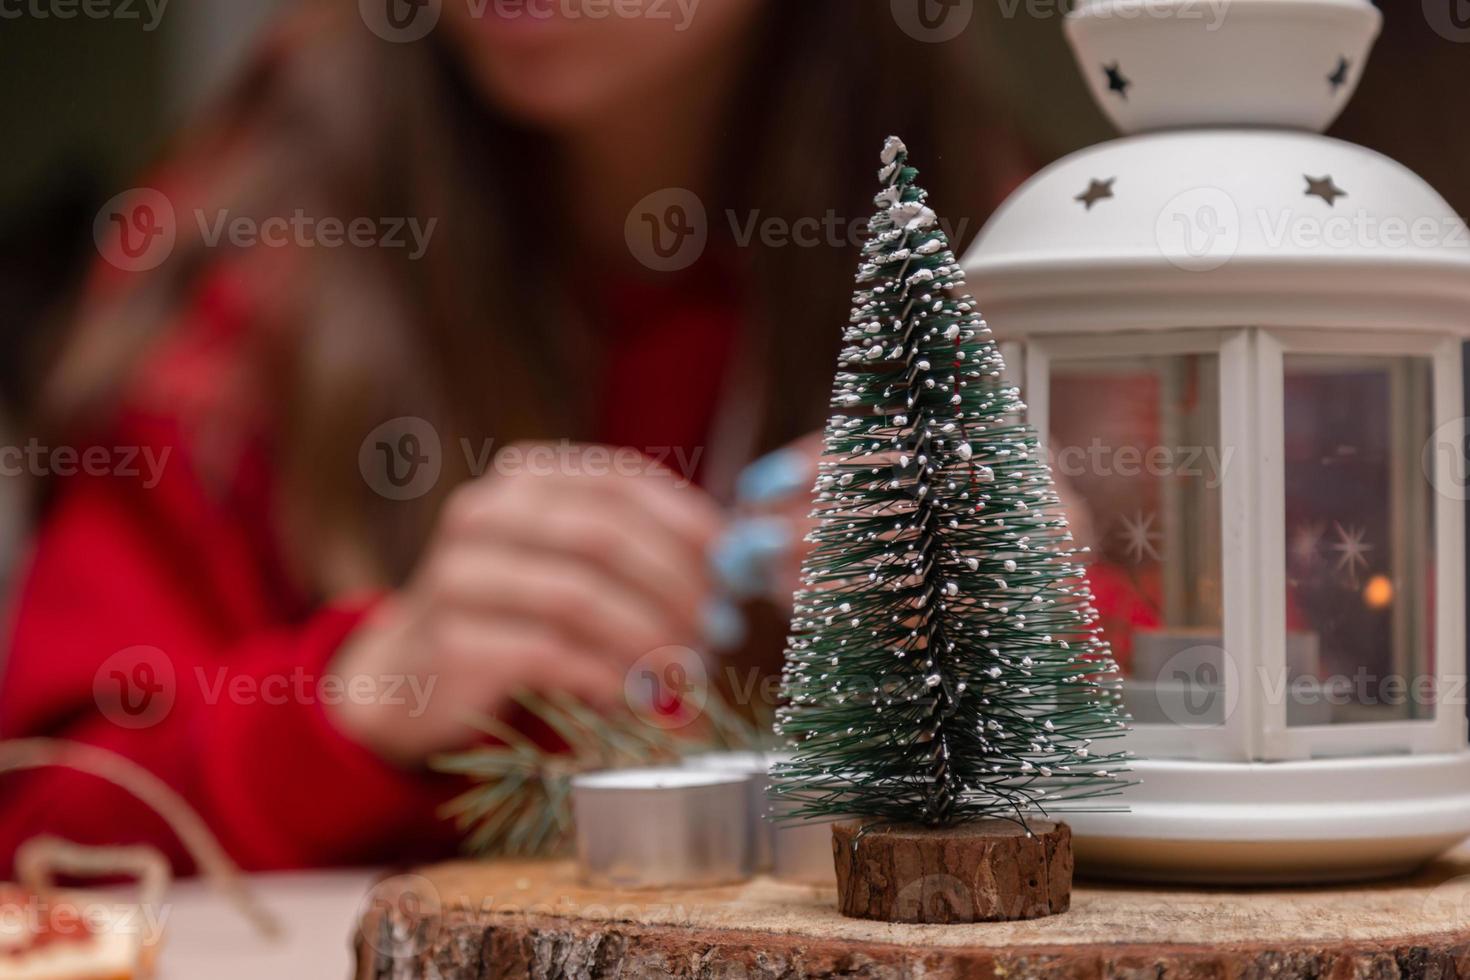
<point x="1241" y="341"/>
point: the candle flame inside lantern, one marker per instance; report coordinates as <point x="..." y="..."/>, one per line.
<point x="1378" y="593"/>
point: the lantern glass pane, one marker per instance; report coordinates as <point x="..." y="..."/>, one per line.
<point x="1135" y="447"/>
<point x="1359" y="539"/>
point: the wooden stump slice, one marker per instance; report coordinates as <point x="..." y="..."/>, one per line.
<point x="984" y="871"/>
<point x="528" y="919"/>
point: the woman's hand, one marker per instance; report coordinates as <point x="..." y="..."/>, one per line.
<point x="555" y="582"/>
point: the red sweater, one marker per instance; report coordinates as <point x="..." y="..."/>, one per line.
<point x="154" y="620"/>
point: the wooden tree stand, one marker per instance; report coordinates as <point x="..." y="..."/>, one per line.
<point x="983" y="871"/>
<point x="534" y="920"/>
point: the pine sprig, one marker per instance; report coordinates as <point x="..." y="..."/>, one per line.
<point x="944" y="663"/>
<point x="520" y="805"/>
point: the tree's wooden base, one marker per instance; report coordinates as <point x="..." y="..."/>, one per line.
<point x="984" y="871"/>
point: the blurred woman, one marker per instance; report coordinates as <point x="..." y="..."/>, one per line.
<point x="330" y="506"/>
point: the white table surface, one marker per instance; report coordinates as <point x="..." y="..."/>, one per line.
<point x="206" y="936"/>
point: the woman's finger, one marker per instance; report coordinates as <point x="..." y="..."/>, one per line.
<point x="513" y="654"/>
<point x="590" y="607"/>
<point x="625" y="545"/>
<point x="686" y="516"/>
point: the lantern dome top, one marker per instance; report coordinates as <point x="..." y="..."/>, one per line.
<point x="1223" y="227"/>
<point x="1155" y="64"/>
<point x="1201" y="199"/>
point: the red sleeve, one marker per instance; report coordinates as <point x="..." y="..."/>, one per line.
<point x="151" y="621"/>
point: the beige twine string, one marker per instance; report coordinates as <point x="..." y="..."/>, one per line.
<point x="213" y="863"/>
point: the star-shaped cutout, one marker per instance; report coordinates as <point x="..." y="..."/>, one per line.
<point x="1140" y="536"/>
<point x="1352" y="551"/>
<point x="1097" y="190"/>
<point x="1339" y="77"/>
<point x="1117" y="82"/>
<point x="1324" y="188"/>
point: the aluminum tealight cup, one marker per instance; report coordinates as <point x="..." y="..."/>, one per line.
<point x="662" y="828"/>
<point x="755" y="768"/>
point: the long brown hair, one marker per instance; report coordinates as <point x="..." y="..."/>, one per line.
<point x="480" y="337"/>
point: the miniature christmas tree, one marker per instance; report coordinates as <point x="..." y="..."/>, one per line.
<point x="944" y="665"/>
